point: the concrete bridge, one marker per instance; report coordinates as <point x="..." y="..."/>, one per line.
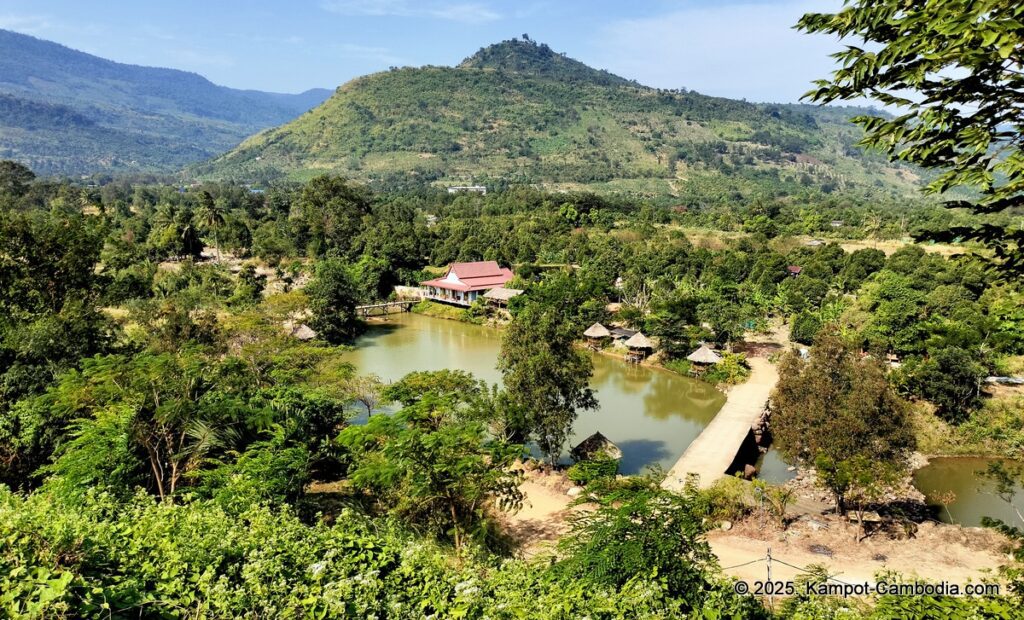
<point x="715" y="449"/>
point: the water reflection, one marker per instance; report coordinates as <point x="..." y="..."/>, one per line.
<point x="652" y="414"/>
<point x="973" y="495"/>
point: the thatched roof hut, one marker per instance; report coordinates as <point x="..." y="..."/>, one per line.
<point x="639" y="341"/>
<point x="595" y="446"/>
<point x="704" y="355"/>
<point x="597" y="331"/>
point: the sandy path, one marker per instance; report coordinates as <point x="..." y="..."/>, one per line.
<point x="938" y="553"/>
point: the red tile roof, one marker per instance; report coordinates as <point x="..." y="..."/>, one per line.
<point x="478" y="276"/>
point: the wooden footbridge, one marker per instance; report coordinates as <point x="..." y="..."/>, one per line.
<point x="384" y="308"/>
<point x="709" y="456"/>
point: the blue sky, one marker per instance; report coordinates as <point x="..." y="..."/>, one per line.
<point x="740" y="49"/>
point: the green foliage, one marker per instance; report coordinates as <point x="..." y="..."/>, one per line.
<point x="951" y="378"/>
<point x="953" y="70"/>
<point x="332" y="301"/>
<point x="567" y="124"/>
<point x="545" y="377"/>
<point x="590" y="470"/>
<point x="839" y="413"/>
<point x="733" y="369"/>
<point x="432" y="468"/>
<point x="96" y="115"/>
<point x="653" y="533"/>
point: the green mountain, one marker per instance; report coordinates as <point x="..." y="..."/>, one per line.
<point x="520" y="112"/>
<point x="67" y="112"/>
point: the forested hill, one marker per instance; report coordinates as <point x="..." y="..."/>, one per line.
<point x="520" y="112"/>
<point x="67" y="112"/>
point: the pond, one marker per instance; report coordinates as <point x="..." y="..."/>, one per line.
<point x="651" y="414"/>
<point x="973" y="495"/>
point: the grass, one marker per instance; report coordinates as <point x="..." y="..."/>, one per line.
<point x="996" y="429"/>
<point x="442" y="311"/>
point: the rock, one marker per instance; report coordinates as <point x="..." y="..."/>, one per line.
<point x="726" y="525"/>
<point x="791" y="468"/>
<point x="749" y="471"/>
<point x="574" y="491"/>
<point x="816" y="525"/>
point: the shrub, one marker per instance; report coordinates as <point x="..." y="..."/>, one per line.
<point x="589" y="470"/>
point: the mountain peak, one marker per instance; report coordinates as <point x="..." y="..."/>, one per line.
<point x="529" y="57"/>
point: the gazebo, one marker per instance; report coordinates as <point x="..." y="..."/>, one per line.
<point x="702" y="358"/>
<point x="639" y="346"/>
<point x="595" y="334"/>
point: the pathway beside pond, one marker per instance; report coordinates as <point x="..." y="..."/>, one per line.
<point x="710" y="455"/>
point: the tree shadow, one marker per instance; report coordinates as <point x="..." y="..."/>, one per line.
<point x="637" y="453"/>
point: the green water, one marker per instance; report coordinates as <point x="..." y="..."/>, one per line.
<point x="974" y="495"/>
<point x="651" y="414"/>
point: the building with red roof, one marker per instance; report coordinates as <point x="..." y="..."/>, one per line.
<point x="465" y="282"/>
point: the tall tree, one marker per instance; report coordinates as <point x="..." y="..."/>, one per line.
<point x="954" y="69"/>
<point x="545" y="376"/>
<point x="212" y="214"/>
<point x="332" y="299"/>
<point x="838" y="413"/>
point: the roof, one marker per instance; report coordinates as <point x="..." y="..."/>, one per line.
<point x="597" y="331"/>
<point x="794" y="269"/>
<point x="639" y="341"/>
<point x="478" y="276"/>
<point x="704" y="355"/>
<point x="596" y="445"/>
<point x="622" y="332"/>
<point x="501" y="293"/>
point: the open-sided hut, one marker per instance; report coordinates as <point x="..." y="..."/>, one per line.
<point x="597" y="446"/>
<point x="702" y="358"/>
<point x="596" y="334"/>
<point x="639" y="347"/>
<point x="500" y="295"/>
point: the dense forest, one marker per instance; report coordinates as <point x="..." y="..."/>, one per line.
<point x="163" y="438"/>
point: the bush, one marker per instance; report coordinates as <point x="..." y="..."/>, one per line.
<point x="732" y="370"/>
<point x="589" y="470"/>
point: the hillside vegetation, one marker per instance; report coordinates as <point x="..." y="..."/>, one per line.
<point x="66" y="112"/>
<point x="519" y="112"/>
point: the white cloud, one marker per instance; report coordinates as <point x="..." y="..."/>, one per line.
<point x="28" y="24"/>
<point x="731" y="50"/>
<point x="465" y="12"/>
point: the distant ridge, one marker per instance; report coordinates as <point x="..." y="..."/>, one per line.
<point x="67" y="112"/>
<point x="520" y="112"/>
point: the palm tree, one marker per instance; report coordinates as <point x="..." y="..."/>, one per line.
<point x="212" y="214"/>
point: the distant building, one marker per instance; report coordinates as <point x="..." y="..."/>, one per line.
<point x="813" y="243"/>
<point x="464" y="283"/>
<point x="794" y="270"/>
<point x="837" y="223"/>
<point x="477" y="189"/>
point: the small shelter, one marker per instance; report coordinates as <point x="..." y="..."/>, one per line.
<point x="500" y="295"/>
<point x="596" y="334"/>
<point x="596" y="446"/>
<point x="702" y="358"/>
<point x="794" y="270"/>
<point x="639" y="347"/>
